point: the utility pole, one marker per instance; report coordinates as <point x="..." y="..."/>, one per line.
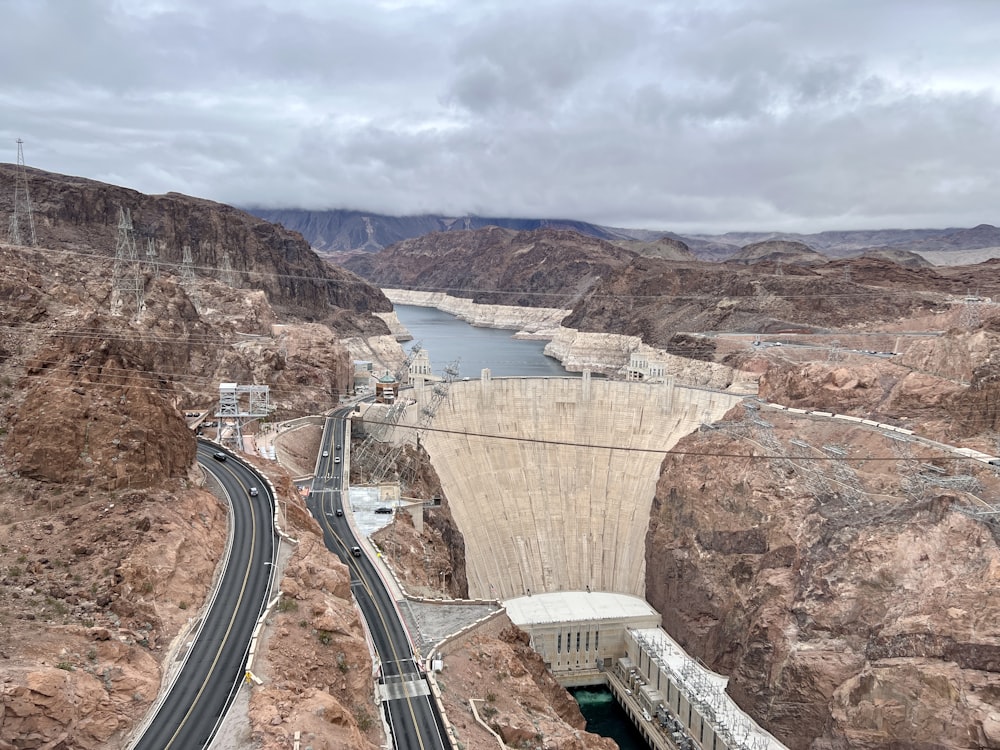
<point x="21" y="217"/>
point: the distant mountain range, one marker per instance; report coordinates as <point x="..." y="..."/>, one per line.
<point x="338" y="231"/>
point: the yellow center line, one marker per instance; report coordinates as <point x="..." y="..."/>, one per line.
<point x="229" y="628"/>
<point x="378" y="609"/>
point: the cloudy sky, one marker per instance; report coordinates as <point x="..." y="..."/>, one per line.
<point x="716" y="115"/>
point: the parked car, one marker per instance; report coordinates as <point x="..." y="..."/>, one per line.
<point x="383" y="509"/>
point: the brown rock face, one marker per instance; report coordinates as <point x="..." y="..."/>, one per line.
<point x="435" y="559"/>
<point x="543" y="268"/>
<point x="846" y="618"/>
<point x="91" y="592"/>
<point x="115" y="426"/>
<point x="316" y="663"/>
<point x="657" y="299"/>
<point x="515" y="694"/>
<point x="80" y="216"/>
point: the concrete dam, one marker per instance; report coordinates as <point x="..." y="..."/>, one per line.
<point x="551" y="480"/>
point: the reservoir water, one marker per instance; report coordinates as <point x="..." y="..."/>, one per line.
<point x="448" y="339"/>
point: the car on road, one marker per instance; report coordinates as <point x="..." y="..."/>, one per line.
<point x="253" y="492"/>
<point x="383" y="509"/>
<point x="356" y="551"/>
<point x="219" y="456"/>
<point x="339" y="512"/>
<point x="336" y="459"/>
<point x="326" y="453"/>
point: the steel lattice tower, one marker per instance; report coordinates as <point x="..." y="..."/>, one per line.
<point x="369" y="453"/>
<point x="187" y="266"/>
<point x="390" y="458"/>
<point x="235" y="412"/>
<point x="152" y="257"/>
<point x="126" y="281"/>
<point x="21" y="213"/>
<point x="226" y="273"/>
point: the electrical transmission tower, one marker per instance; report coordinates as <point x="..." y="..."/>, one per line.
<point x="187" y="266"/>
<point x="22" y="223"/>
<point x="126" y="280"/>
<point x="402" y="375"/>
<point x="152" y="257"/>
<point x="226" y="272"/>
<point x="848" y="483"/>
<point x="439" y="392"/>
<point x="377" y="456"/>
<point x="239" y="405"/>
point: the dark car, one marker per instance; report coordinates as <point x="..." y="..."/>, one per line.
<point x="383" y="509"/>
<point x="218" y="456"/>
<point x="253" y="492"/>
<point x="356" y="551"/>
<point x="339" y="512"/>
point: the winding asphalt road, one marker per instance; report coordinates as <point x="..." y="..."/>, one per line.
<point x="204" y="689"/>
<point x="411" y="713"/>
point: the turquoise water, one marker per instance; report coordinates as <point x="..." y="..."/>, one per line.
<point x="605" y="717"/>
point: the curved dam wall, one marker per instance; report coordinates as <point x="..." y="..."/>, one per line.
<point x="541" y="510"/>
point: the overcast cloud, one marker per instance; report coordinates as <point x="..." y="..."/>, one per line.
<point x="796" y="115"/>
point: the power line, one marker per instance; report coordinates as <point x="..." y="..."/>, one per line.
<point x="169" y="388"/>
<point x="865" y="292"/>
<point x="666" y="452"/>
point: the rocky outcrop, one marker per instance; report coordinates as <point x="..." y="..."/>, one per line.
<point x="514" y="694"/>
<point x="93" y="591"/>
<point x="842" y="620"/>
<point x="656" y="300"/>
<point x="316" y="661"/>
<point x="80" y="218"/>
<point x="777" y="251"/>
<point x="668" y="248"/>
<point x="109" y="402"/>
<point x="541" y="268"/>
